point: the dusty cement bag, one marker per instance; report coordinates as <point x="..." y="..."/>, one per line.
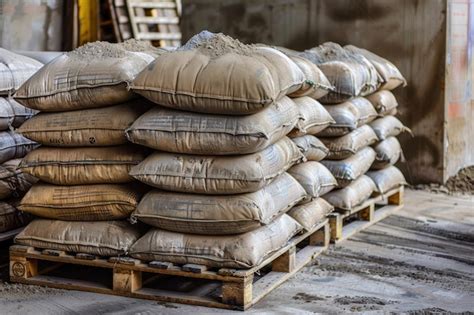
<point x="315" y="85"/>
<point x="384" y="102"/>
<point x="76" y="166"/>
<point x="10" y="218"/>
<point x="219" y="215"/>
<point x="93" y="75"/>
<point x="387" y="126"/>
<point x="311" y="147"/>
<point x="232" y="251"/>
<point x="343" y="147"/>
<point x="346" y="117"/>
<point x="387" y="179"/>
<point x="81" y="202"/>
<point x="15" y="69"/>
<point x="315" y="178"/>
<point x="388" y="152"/>
<point x="101" y="238"/>
<point x="14" y="182"/>
<point x="194" y="133"/>
<point x="367" y="112"/>
<point x="352" y="195"/>
<point x="217" y="174"/>
<point x="390" y="74"/>
<point x="13" y="146"/>
<point x="348" y="170"/>
<point x="313" y="117"/>
<point x="220" y="76"/>
<point x="312" y="213"/>
<point x="13" y="114"/>
<point x="89" y="127"/>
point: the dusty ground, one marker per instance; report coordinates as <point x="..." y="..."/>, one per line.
<point x="419" y="261"/>
<point x="461" y="183"/>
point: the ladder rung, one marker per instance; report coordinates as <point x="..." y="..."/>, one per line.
<point x="123" y="19"/>
<point x="159" y="36"/>
<point x="151" y="4"/>
<point x="119" y="3"/>
<point x="156" y="19"/>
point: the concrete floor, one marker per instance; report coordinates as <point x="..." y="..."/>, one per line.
<point x="421" y="259"/>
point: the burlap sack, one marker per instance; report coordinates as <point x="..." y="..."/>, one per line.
<point x="88" y="127"/>
<point x="81" y="202"/>
<point x="77" y="166"/>
<point x="219" y="215"/>
<point x="348" y="170"/>
<point x="102" y="238"/>
<point x="387" y="179"/>
<point x="312" y="213"/>
<point x="315" y="85"/>
<point x="10" y="218"/>
<point x="312" y="148"/>
<point x="384" y="102"/>
<point x="13" y="146"/>
<point x="315" y="178"/>
<point x="15" y="69"/>
<point x="193" y="133"/>
<point x="220" y="76"/>
<point x="313" y="117"/>
<point x="388" y="126"/>
<point x="346" y="117"/>
<point x="388" y="152"/>
<point x="13" y="114"/>
<point x="343" y="147"/>
<point x="233" y="251"/>
<point x="14" y="182"/>
<point x="217" y="174"/>
<point x="352" y="195"/>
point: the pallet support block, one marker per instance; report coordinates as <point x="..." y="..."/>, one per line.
<point x="397" y="198"/>
<point x="126" y="280"/>
<point x="321" y="237"/>
<point x="367" y="214"/>
<point x="335" y="221"/>
<point x="286" y="262"/>
<point x="238" y="293"/>
<point x="23" y="268"/>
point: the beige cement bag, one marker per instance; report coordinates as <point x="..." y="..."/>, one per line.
<point x="346" y="117"/>
<point x="313" y="117"/>
<point x="315" y="178"/>
<point x="312" y="148"/>
<point x="217" y="175"/>
<point x="93" y="75"/>
<point x="388" y="126"/>
<point x="14" y="182"/>
<point x="102" y="238"/>
<point x="81" y="202"/>
<point x="220" y="76"/>
<point x="387" y="179"/>
<point x="343" y="147"/>
<point x="388" y="153"/>
<point x="89" y="127"/>
<point x="219" y="215"/>
<point x="13" y="146"/>
<point x="77" y="166"/>
<point x="348" y="170"/>
<point x="312" y="213"/>
<point x="367" y="112"/>
<point x="13" y="114"/>
<point x="384" y="102"/>
<point x="10" y="218"/>
<point x="316" y="85"/>
<point x="233" y="251"/>
<point x="15" y="69"/>
<point x="352" y="195"/>
<point x="193" y="133"/>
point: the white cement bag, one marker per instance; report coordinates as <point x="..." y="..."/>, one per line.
<point x="316" y="85"/>
<point x="15" y="69"/>
<point x="14" y="145"/>
<point x="13" y="114"/>
<point x="313" y="117"/>
<point x="387" y="126"/>
<point x="388" y="153"/>
<point x="384" y="102"/>
<point x="312" y="213"/>
<point x="315" y="178"/>
<point x="343" y="147"/>
<point x="367" y="112"/>
<point x="352" y="195"/>
<point x="14" y="182"/>
<point x="387" y="179"/>
<point x="311" y="147"/>
<point x="346" y="117"/>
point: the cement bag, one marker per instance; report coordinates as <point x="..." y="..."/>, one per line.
<point x="233" y="251"/>
<point x="315" y="85"/>
<point x="352" y="195"/>
<point x="93" y="75"/>
<point x="10" y="218"/>
<point x="193" y="133"/>
<point x="387" y="179"/>
<point x="311" y="147"/>
<point x="348" y="170"/>
<point x="219" y="215"/>
<point x="367" y="112"/>
<point x="346" y="117"/>
<point x="14" y="182"/>
<point x="217" y="174"/>
<point x="81" y="202"/>
<point x="89" y="127"/>
<point x="387" y="126"/>
<point x="13" y="146"/>
<point x="220" y="76"/>
<point x="313" y="117"/>
<point x="77" y="166"/>
<point x="390" y="74"/>
<point x="13" y="114"/>
<point x="315" y="178"/>
<point x="343" y="147"/>
<point x="312" y="213"/>
<point x="388" y="152"/>
<point x="384" y="102"/>
<point x="15" y="69"/>
<point x="102" y="238"/>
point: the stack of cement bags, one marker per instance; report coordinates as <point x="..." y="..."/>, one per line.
<point x="85" y="193"/>
<point x="14" y="70"/>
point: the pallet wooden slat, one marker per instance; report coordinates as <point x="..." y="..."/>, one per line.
<point x="156" y="20"/>
<point x="152" y="4"/>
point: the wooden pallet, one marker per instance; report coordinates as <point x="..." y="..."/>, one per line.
<point x="187" y="284"/>
<point x="345" y="223"/>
